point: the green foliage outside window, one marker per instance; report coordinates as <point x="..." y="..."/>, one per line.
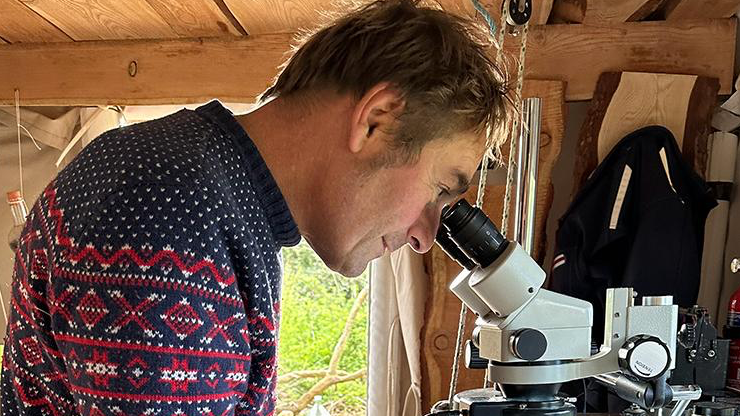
<point x="315" y="305"/>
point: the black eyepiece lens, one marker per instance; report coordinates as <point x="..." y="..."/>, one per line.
<point x="473" y="233"/>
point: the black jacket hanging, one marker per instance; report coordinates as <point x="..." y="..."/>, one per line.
<point x="637" y="222"/>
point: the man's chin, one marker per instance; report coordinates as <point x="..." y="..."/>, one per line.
<point x="352" y="272"/>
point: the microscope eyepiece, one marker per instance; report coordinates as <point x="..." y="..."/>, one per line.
<point x="472" y="232"/>
<point x="452" y="250"/>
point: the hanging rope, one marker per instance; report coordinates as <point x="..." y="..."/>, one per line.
<point x="514" y="131"/>
<point x="484" y="167"/>
<point x="18" y="128"/>
<point x="499" y="55"/>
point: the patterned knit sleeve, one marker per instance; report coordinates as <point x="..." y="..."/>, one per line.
<point x="146" y="317"/>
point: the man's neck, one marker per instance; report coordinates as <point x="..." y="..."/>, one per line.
<point x="296" y="145"/>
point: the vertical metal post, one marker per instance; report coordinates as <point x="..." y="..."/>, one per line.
<point x="532" y="113"/>
<point x="520" y="172"/>
<point x="526" y="173"/>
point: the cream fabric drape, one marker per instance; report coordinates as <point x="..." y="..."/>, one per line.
<point x="52" y="127"/>
<point x="398" y="291"/>
<point x="720" y="168"/>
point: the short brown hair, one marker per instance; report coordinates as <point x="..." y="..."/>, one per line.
<point x="439" y="62"/>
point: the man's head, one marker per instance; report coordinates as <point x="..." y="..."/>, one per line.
<point x="421" y="97"/>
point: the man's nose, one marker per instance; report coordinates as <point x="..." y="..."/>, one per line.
<point x="422" y="233"/>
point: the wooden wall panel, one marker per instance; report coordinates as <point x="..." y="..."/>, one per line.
<point x="693" y="9"/>
<point x="194" y="18"/>
<point x="21" y="24"/>
<point x="578" y="54"/>
<point x="103" y="19"/>
<point x="624" y="102"/>
<point x="442" y="313"/>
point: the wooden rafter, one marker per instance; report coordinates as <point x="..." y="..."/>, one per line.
<point x="690" y="9"/>
<point x="193" y="18"/>
<point x="610" y="11"/>
<point x="237" y="70"/>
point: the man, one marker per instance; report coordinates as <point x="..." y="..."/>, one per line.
<point x="148" y="276"/>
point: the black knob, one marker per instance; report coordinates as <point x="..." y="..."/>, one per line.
<point x="528" y="344"/>
<point x="473" y="359"/>
<point x="645" y="356"/>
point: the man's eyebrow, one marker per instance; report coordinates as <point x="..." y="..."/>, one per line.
<point x="463" y="183"/>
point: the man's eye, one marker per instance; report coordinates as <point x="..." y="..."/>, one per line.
<point x="443" y="192"/>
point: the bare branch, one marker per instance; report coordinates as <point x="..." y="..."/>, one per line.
<point x="302" y="374"/>
<point x="330" y="376"/>
<point x="318" y="388"/>
<point x="342" y="343"/>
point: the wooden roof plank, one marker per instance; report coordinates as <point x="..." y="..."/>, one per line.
<point x="239" y="69"/>
<point x="693" y="9"/>
<point x="102" y="19"/>
<point x="194" y="18"/>
<point x="271" y="16"/>
<point x="21" y="24"/>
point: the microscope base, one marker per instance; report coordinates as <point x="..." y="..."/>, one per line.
<point x="488" y="402"/>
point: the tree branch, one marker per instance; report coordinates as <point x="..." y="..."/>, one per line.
<point x="342" y="343"/>
<point x="330" y="376"/>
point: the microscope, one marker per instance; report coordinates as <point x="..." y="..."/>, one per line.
<point x="532" y="340"/>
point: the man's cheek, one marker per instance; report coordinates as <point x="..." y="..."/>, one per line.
<point x="410" y="213"/>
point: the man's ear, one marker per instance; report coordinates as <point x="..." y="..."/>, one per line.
<point x="374" y="116"/>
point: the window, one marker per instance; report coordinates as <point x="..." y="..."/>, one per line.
<point x="321" y="308"/>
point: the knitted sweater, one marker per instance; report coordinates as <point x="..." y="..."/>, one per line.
<point x="147" y="281"/>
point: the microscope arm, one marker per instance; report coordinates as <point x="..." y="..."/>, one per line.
<point x="651" y="394"/>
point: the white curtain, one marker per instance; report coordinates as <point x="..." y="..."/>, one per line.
<point x="52" y="128"/>
<point x="398" y="291"/>
<point x="720" y="168"/>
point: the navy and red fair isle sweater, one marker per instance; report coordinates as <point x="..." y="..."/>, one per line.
<point x="147" y="281"/>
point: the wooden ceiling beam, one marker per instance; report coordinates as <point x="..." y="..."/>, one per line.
<point x="141" y="71"/>
<point x="239" y="69"/>
<point x="21" y="24"/>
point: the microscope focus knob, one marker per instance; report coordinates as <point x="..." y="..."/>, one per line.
<point x="528" y="344"/>
<point x="473" y="359"/>
<point x="645" y="356"/>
